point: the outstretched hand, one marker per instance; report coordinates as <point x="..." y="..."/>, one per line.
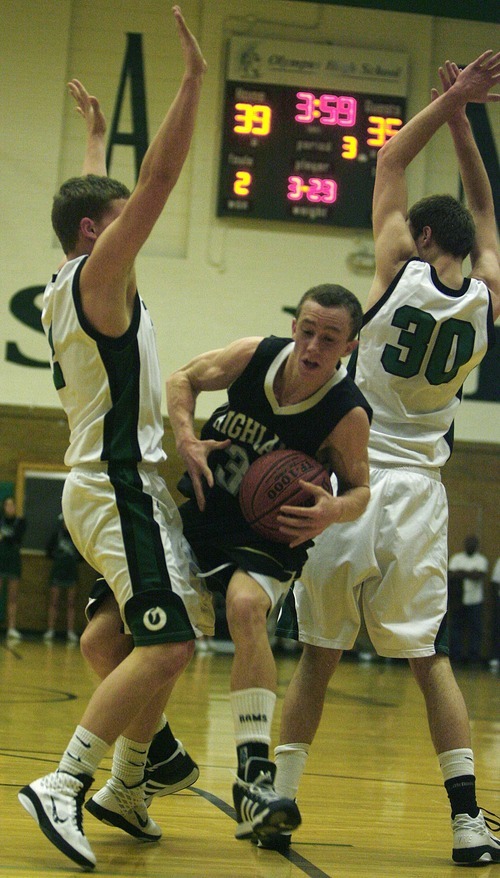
<point x="193" y="58"/>
<point x="89" y="108"/>
<point x="476" y="80"/>
<point x="448" y="75"/>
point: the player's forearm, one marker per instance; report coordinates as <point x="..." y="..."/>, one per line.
<point x="354" y="503"/>
<point x="475" y="180"/>
<point x="181" y="402"/>
<point x="94" y="161"/>
<point x="401" y="149"/>
<point x="167" y="153"/>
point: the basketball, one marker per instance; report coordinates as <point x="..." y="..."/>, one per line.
<point x="273" y="481"/>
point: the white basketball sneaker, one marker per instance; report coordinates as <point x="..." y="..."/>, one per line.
<point x="55" y="802"/>
<point x="473" y="842"/>
<point x="124" y="807"/>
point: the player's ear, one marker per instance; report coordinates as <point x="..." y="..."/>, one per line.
<point x="426" y="234"/>
<point x="294" y="326"/>
<point x="87" y="228"/>
<point x="351" y="346"/>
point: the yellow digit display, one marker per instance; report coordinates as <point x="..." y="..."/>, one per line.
<point x="242" y="183"/>
<point x="349" y="147"/>
<point x="382" y="128"/>
<point x="252" y="119"/>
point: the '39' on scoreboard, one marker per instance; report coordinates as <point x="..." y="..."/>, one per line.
<point x="302" y="126"/>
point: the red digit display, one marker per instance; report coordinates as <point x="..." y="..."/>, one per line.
<point x="327" y="109"/>
<point x="314" y="190"/>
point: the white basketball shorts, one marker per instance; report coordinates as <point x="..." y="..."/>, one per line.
<point x="390" y="564"/>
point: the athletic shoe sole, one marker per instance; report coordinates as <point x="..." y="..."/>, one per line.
<point x="269" y="823"/>
<point x="111" y="818"/>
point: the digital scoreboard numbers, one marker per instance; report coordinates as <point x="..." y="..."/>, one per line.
<point x="304" y="148"/>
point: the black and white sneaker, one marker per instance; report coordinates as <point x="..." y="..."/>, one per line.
<point x="473" y="842"/>
<point x="55" y="801"/>
<point x="124" y="807"/>
<point x="163" y="777"/>
<point x="275" y="841"/>
<point x="261" y="812"/>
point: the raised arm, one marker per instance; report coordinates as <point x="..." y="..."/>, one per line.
<point x="111" y="264"/>
<point x="485" y="255"/>
<point x="88" y="107"/>
<point x="214" y="370"/>
<point x="393" y="241"/>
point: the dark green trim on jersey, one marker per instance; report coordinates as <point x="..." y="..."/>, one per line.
<point x="57" y="375"/>
<point x="121" y="422"/>
<point x="442" y="642"/>
<point x="288" y="625"/>
<point x="141" y="532"/>
<point x="158" y="621"/>
<point x="155" y="614"/>
<point x="121" y="360"/>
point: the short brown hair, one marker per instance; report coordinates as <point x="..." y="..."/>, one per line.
<point x="79" y="197"/>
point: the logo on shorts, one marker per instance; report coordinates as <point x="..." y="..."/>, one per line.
<point x="154" y="619"/>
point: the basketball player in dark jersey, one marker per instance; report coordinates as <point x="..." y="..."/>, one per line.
<point x="282" y="393"/>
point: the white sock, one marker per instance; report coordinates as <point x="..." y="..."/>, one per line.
<point x="253" y="711"/>
<point x="83" y="753"/>
<point x="290" y="763"/>
<point x="455" y="763"/>
<point x="129" y="761"/>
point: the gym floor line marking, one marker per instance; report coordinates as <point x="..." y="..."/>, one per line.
<point x="298" y="860"/>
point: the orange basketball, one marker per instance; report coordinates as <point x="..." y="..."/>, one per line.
<point x="272" y="481"/>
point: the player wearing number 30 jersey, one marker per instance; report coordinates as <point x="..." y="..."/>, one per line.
<point x="418" y="343"/>
<point x="426" y="327"/>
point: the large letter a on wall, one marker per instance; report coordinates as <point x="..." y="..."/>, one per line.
<point x="133" y="70"/>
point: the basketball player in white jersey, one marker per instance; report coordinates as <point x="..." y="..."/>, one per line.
<point x="426" y="327"/>
<point x="117" y="508"/>
<point x="104" y="643"/>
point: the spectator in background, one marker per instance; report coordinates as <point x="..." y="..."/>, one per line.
<point x="495" y="585"/>
<point x="467" y="572"/>
<point x="12" y="528"/>
<point x="63" y="577"/>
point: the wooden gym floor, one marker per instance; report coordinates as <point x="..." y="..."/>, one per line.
<point x="372" y="801"/>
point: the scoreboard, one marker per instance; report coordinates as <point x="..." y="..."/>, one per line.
<point x="302" y="125"/>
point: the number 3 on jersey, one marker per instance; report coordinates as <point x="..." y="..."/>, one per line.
<point x="451" y="348"/>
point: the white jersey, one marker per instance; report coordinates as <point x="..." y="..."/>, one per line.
<point x="110" y="388"/>
<point x="417" y="346"/>
<point x="472" y="589"/>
